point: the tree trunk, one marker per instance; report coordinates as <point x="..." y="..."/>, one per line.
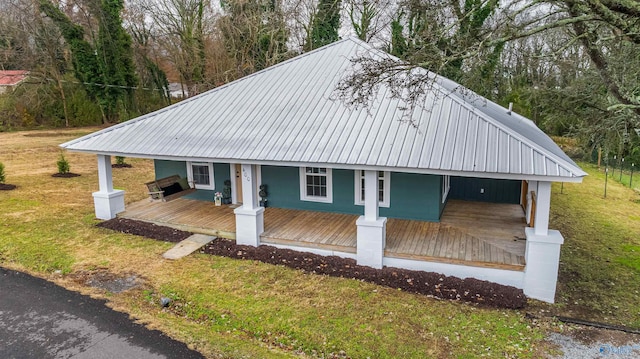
<point x="64" y="102"/>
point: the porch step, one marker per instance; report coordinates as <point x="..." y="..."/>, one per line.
<point x="188" y="246"/>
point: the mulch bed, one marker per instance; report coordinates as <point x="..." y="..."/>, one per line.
<point x="145" y="229"/>
<point x="7" y="187"/>
<point x="427" y="283"/>
<point x="65" y="175"/>
<point x="121" y="165"/>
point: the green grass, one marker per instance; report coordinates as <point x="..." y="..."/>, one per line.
<point x="600" y="262"/>
<point x="630" y="257"/>
<point x="239" y="309"/>
<point x="225" y="307"/>
<point x="626" y="179"/>
<point x="315" y="314"/>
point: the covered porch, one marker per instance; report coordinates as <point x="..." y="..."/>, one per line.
<point x="470" y="233"/>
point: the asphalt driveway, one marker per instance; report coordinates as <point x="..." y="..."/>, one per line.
<point x="39" y="319"/>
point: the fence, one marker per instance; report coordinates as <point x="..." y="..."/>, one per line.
<point x="620" y="169"/>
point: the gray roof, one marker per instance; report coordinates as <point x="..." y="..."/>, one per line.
<point x="288" y="114"/>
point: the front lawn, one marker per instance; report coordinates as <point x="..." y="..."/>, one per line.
<point x="221" y="306"/>
<point x="233" y="308"/>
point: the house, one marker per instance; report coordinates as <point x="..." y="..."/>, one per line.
<point x="9" y="79"/>
<point x="178" y="90"/>
<point x="284" y="128"/>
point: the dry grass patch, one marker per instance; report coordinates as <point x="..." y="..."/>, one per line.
<point x="224" y="307"/>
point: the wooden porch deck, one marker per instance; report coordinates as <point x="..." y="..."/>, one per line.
<point x="470" y="233"/>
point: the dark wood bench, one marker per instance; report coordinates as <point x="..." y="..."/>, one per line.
<point x="168" y="188"/>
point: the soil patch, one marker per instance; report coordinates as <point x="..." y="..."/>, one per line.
<point x="103" y="279"/>
<point x="65" y="175"/>
<point x="121" y="165"/>
<point x="427" y="283"/>
<point x="145" y="229"/>
<point x="7" y="187"/>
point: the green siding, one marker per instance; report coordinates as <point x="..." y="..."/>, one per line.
<point x="169" y="168"/>
<point x="283" y="186"/>
<point x="165" y="168"/>
<point x="413" y="196"/>
<point x="485" y="190"/>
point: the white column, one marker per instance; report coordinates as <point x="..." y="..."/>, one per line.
<point x="543" y="205"/>
<point x="542" y="254"/>
<point x="249" y="216"/>
<point x="372" y="230"/>
<point x="107" y="201"/>
<point x="105" y="176"/>
<point x="249" y="195"/>
<point x="371" y="195"/>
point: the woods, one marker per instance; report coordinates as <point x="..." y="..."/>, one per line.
<point x="573" y="67"/>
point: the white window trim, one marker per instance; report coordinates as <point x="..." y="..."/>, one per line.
<point x="211" y="186"/>
<point x="357" y="176"/>
<point x="446" y="186"/>
<point x="303" y="186"/>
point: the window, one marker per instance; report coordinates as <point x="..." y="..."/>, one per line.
<point x="383" y="188"/>
<point x="201" y="174"/>
<point x="316" y="184"/>
<point x="446" y="185"/>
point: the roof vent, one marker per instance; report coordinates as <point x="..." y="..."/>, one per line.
<point x="510" y="107"/>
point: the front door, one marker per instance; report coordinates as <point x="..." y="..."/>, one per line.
<point x="238" y="183"/>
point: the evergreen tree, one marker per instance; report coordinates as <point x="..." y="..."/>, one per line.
<point x="398" y="41"/>
<point x="3" y="177"/>
<point x="106" y="67"/>
<point x="326" y="24"/>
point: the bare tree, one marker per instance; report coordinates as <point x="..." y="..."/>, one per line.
<point x="146" y="52"/>
<point x="181" y="28"/>
<point x="370" y="19"/>
<point x="31" y="42"/>
<point x="464" y="40"/>
<point x="300" y="16"/>
<point x="254" y="33"/>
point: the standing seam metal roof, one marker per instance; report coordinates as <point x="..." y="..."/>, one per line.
<point x="287" y="114"/>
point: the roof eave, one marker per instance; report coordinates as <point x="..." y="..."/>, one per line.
<point x="578" y="176"/>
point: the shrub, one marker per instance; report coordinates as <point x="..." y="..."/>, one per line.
<point x="63" y="165"/>
<point x="3" y="177"/>
<point x="120" y="160"/>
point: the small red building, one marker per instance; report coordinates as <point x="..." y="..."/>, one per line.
<point x="11" y="78"/>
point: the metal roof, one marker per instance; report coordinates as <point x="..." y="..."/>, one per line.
<point x="288" y="114"/>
